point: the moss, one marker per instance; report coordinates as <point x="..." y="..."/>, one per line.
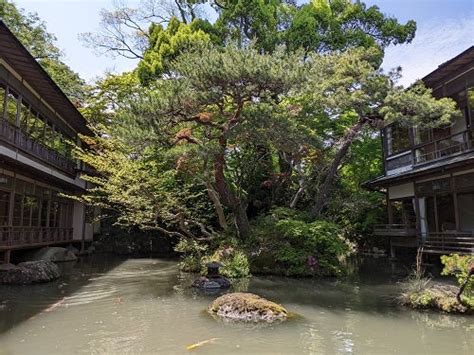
<point x="247" y="306"/>
<point x="437" y="297"/>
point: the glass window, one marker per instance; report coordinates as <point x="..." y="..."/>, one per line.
<point x="397" y="139"/>
<point x="4" y="207"/>
<point x="25" y="114"/>
<point x="2" y="100"/>
<point x="44" y="213"/>
<point x="12" y="107"/>
<point x="470" y="103"/>
<point x="422" y="135"/>
<point x="48" y="136"/>
<point x="54" y="214"/>
<point x="431" y="214"/>
<point x="445" y="209"/>
<point x="466" y="211"/>
<point x="433" y="187"/>
<point x="36" y="129"/>
<point x="403" y="211"/>
<point x="28" y="208"/>
<point x="17" y="210"/>
<point x="6" y="182"/>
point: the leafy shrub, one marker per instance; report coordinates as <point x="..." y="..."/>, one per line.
<point x="284" y="243"/>
<point x="234" y="262"/>
<point x="192" y="253"/>
<point x="459" y="267"/>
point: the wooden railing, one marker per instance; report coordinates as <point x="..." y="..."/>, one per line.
<point x="22" y="237"/>
<point x="431" y="151"/>
<point x="19" y="139"/>
<point x="448" y="243"/>
<point x="395" y="230"/>
<point x="441" y="148"/>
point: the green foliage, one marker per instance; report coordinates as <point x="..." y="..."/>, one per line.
<point x="324" y="25"/>
<point x="192" y="253"/>
<point x="459" y="266"/>
<point x="165" y="45"/>
<point x="417" y="107"/>
<point x="234" y="262"/>
<point x="296" y="247"/>
<point x="108" y="98"/>
<point x="242" y="21"/>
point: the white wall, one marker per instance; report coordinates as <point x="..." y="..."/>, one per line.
<point x="400" y="191"/>
<point x="78" y="220"/>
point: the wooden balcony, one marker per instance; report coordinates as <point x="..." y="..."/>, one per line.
<point x="430" y="152"/>
<point x="395" y="230"/>
<point x="442" y="148"/>
<point x="449" y="243"/>
<point x="18" y="139"/>
<point x="26" y="237"/>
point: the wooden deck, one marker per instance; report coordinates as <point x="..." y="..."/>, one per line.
<point x="395" y="230"/>
<point x="435" y="243"/>
<point x="449" y="243"/>
<point x="12" y="238"/>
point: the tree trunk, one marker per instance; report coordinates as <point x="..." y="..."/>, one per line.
<point x="463" y="286"/>
<point x="213" y="195"/>
<point x="328" y="183"/>
<point x="228" y="197"/>
<point x="301" y="184"/>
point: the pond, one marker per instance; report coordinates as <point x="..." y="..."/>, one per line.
<point x="105" y="305"/>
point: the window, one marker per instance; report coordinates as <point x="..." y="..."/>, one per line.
<point x="17" y="209"/>
<point x="433" y="187"/>
<point x="466" y="211"/>
<point x="30" y="211"/>
<point x="38" y="130"/>
<point x="11" y="107"/>
<point x="470" y="103"/>
<point x="2" y="100"/>
<point x="422" y="135"/>
<point x="403" y="211"/>
<point x="4" y="207"/>
<point x="445" y="209"/>
<point x="397" y="139"/>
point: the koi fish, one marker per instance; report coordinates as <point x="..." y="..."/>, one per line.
<point x="201" y="343"/>
<point x="55" y="305"/>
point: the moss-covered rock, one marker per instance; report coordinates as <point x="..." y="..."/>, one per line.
<point x="30" y="272"/>
<point x="436" y="296"/>
<point x="247" y="307"/>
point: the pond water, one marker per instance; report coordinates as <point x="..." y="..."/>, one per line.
<point x="110" y="306"/>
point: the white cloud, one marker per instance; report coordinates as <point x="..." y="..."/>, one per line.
<point x="437" y="40"/>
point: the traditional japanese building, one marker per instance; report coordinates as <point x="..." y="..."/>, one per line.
<point x="37" y="124"/>
<point x="429" y="173"/>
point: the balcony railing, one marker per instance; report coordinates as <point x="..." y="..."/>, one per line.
<point x="445" y="147"/>
<point x="23" y="237"/>
<point x="448" y="243"/>
<point x="395" y="230"/>
<point x="431" y="151"/>
<point x="19" y="139"/>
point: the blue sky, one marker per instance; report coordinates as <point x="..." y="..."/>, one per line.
<point x="445" y="28"/>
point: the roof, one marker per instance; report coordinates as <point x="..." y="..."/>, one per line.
<point x="447" y="69"/>
<point x="18" y="57"/>
<point x="452" y="162"/>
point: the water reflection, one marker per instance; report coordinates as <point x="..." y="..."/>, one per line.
<point x="147" y="306"/>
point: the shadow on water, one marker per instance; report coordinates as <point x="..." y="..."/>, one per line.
<point x="22" y="302"/>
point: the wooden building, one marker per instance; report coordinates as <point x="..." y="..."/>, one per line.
<point x="429" y="173"/>
<point x="37" y="124"/>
